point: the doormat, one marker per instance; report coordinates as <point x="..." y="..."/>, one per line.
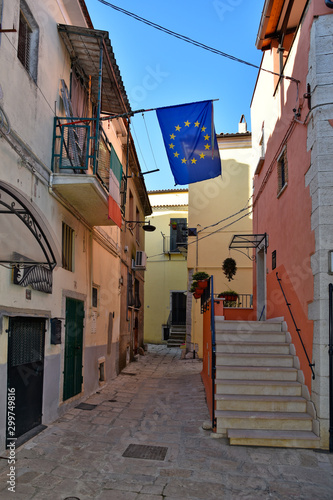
<point x="85" y="406"/>
<point x="145" y="452"/>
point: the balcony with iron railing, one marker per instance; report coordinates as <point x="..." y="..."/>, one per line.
<point x="177" y="243"/>
<point x="82" y="161"/>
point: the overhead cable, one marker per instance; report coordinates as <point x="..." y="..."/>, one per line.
<point x="193" y="42"/>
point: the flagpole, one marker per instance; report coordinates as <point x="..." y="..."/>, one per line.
<point x="128" y="114"/>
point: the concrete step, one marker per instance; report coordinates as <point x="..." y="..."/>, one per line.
<point x="252" y="326"/>
<point x="258" y="387"/>
<point x="282" y="439"/>
<point x="176" y="336"/>
<point x="281" y="360"/>
<point x="249" y="336"/>
<point x="255" y="373"/>
<point x="226" y="420"/>
<point x="253" y="347"/>
<point x="241" y="402"/>
<point x="178" y="329"/>
<point x="174" y="343"/>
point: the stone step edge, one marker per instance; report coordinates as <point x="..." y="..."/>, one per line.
<point x="263" y="355"/>
<point x="284" y="383"/>
<point x="262" y="415"/>
<point x="258" y="368"/>
<point x="251" y="343"/>
<point x="258" y="397"/>
<point x="269" y="434"/>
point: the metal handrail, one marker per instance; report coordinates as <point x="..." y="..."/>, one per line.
<point x="212" y="328"/>
<point x="311" y="365"/>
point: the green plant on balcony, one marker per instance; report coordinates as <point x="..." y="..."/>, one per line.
<point x="230" y="298"/>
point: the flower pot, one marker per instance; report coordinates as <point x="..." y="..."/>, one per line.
<point x="197" y="294"/>
<point x="202" y="284"/>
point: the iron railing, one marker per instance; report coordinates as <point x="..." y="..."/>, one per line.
<point x="311" y="365"/>
<point x="244" y="300"/>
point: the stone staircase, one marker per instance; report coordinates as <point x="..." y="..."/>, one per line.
<point x="177" y="336"/>
<point x="260" y="398"/>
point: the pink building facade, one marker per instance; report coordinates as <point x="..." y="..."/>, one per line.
<point x="292" y="131"/>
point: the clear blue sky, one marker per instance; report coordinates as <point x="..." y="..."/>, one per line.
<point x="160" y="70"/>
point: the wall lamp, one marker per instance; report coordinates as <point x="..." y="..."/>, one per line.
<point x="146" y="226"/>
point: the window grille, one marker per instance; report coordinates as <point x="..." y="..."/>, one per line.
<point x="67" y="247"/>
<point x="28" y="38"/>
<point x="282" y="170"/>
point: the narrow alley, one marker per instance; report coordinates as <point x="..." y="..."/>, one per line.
<point x="141" y="438"/>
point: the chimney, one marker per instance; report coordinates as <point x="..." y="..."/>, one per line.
<point x="242" y="126"/>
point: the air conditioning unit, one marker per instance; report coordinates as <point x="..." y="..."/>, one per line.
<point x="140" y="260"/>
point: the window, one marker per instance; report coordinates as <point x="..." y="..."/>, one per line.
<point x="28" y="39"/>
<point x="137" y="301"/>
<point x="137" y="228"/>
<point x="274" y="259"/>
<point x="94" y="296"/>
<point x="67" y="247"/>
<point x="178" y="234"/>
<point x="282" y="169"/>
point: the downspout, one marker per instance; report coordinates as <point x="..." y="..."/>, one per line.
<point x="330" y="353"/>
<point x="99" y="105"/>
<point x="212" y="328"/>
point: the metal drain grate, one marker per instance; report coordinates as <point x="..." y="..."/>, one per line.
<point x="145" y="452"/>
<point x="85" y="406"/>
<point x="127" y="373"/>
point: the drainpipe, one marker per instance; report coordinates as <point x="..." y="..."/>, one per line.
<point x="99" y="104"/>
<point x="330" y="353"/>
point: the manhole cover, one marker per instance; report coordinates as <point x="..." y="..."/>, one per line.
<point x="146" y="452"/>
<point x="85" y="406"/>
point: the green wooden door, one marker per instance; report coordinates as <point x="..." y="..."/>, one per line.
<point x="73" y="347"/>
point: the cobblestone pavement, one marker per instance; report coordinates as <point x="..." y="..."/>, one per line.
<point x="158" y="401"/>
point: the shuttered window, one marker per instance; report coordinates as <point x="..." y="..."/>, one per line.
<point x="67" y="247"/>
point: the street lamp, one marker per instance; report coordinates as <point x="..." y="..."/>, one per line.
<point x="146" y="226"/>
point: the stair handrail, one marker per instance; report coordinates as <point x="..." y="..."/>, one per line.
<point x="212" y="328"/>
<point x="298" y="330"/>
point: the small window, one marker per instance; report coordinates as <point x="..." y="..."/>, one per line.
<point x="67" y="247"/>
<point x="274" y="259"/>
<point x="28" y="39"/>
<point x="94" y="297"/>
<point x="282" y="169"/>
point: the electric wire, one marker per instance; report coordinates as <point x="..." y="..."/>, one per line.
<point x="151" y="148"/>
<point x="193" y="42"/>
<point x="137" y="145"/>
<point x="214" y="232"/>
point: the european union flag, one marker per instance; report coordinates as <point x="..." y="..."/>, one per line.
<point x="190" y="141"/>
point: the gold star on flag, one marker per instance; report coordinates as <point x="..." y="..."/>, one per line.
<point x="172" y="136"/>
<point x="207" y="146"/>
<point x="178" y="128"/>
<point x="203" y="129"/>
<point x="202" y="156"/>
<point x="183" y="160"/>
<point x="197" y="124"/>
<point x="194" y="160"/>
<point x="176" y="154"/>
<point x="187" y="123"/>
<point x="171" y="146"/>
<point x="207" y="137"/>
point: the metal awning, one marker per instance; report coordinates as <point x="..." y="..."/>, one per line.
<point x="91" y="50"/>
<point x="249" y="241"/>
<point x="24" y="237"/>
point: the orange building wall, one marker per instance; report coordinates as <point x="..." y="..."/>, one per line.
<point x="287" y="219"/>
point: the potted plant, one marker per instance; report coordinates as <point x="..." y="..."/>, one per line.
<point x="173" y="224"/>
<point x="201" y="278"/>
<point x="229" y="268"/>
<point x="230" y="298"/>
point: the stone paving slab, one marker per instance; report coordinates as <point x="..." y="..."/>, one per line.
<point x="81" y="454"/>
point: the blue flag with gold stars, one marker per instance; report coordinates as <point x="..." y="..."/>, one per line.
<point x="190" y="141"/>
